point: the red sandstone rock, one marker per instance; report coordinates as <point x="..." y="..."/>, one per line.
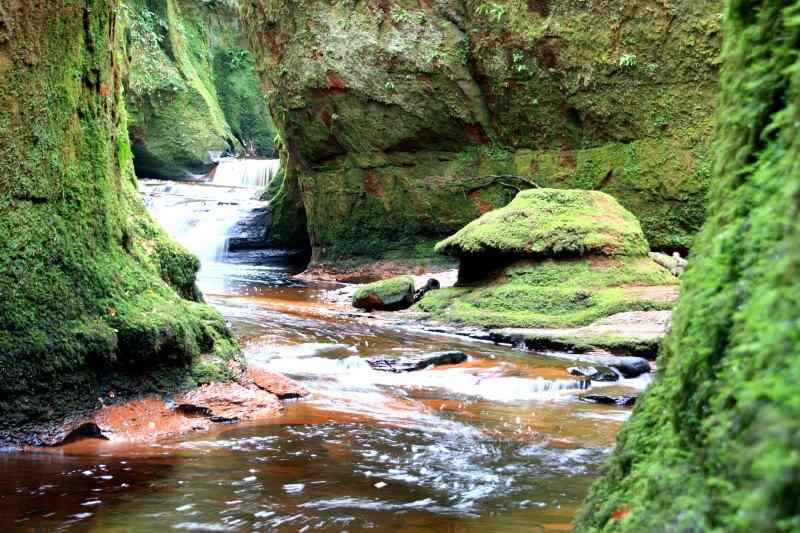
<point x="228" y="402"/>
<point x="277" y="384"/>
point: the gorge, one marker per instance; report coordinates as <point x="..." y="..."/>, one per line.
<point x="195" y="193"/>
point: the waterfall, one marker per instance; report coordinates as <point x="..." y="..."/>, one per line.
<point x="231" y="172"/>
<point x="204" y="215"/>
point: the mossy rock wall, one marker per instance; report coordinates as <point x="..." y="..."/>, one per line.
<point x="94" y="297"/>
<point x="192" y="87"/>
<point x="405" y="120"/>
<point x="713" y="443"/>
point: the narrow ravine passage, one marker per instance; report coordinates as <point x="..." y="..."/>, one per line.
<point x="500" y="442"/>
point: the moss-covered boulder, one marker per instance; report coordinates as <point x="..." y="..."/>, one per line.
<point x="551" y="222"/>
<point x="552" y="258"/>
<point x="192" y="90"/>
<point x="94" y="298"/>
<point x="713" y="443"/>
<point x="403" y="121"/>
<point x="391" y="294"/>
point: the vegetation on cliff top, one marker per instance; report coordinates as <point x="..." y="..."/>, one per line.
<point x="192" y="87"/>
<point x="713" y="444"/>
<point x="90" y="289"/>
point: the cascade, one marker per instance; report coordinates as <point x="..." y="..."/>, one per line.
<point x="204" y="215"/>
<point x="232" y="172"/>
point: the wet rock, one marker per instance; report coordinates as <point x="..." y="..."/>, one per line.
<point x="407" y="364"/>
<point x="431" y="285"/>
<point x="675" y="263"/>
<point x="629" y="367"/>
<point x="277" y="384"/>
<point x="391" y="294"/>
<point x="228" y="402"/>
<point x="594" y="373"/>
<point x="624" y="401"/>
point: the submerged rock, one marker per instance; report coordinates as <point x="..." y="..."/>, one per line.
<point x="403" y="364"/>
<point x="391" y="294"/>
<point x="625" y="401"/>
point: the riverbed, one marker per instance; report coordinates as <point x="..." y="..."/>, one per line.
<point x="501" y="442"/>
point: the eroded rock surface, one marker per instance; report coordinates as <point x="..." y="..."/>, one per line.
<point x="404" y="121"/>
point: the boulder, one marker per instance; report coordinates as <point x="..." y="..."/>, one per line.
<point x="431" y="285"/>
<point x="228" y="402"/>
<point x="391" y="294"/>
<point x="551" y="222"/>
<point x="630" y="367"/>
<point x="278" y="384"/>
<point x="675" y="263"/>
<point x="595" y="373"/>
<point x="406" y="121"/>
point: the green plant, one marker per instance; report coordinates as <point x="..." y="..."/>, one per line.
<point x="627" y="60"/>
<point x="519" y="65"/>
<point x="492" y="11"/>
<point x="400" y="15"/>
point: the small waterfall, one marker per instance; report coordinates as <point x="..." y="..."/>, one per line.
<point x="203" y="215"/>
<point x="231" y="172"/>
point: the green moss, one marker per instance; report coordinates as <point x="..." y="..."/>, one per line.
<point x="563" y="293"/>
<point x="243" y="101"/>
<point x="547" y="222"/>
<point x="89" y="288"/>
<point x="391" y="124"/>
<point x="389" y="293"/>
<point x="192" y="87"/>
<point x="712" y="445"/>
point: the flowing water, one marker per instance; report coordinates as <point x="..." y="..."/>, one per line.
<point x="500" y="443"/>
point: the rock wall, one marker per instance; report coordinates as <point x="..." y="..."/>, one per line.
<point x="402" y="121"/>
<point x="713" y="443"/>
<point x="94" y="298"/>
<point x="192" y="88"/>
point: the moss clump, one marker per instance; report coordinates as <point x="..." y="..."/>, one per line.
<point x="548" y="222"/>
<point x="386" y="295"/>
<point x="713" y="443"/>
<point x="552" y="293"/>
<point x="90" y="289"/>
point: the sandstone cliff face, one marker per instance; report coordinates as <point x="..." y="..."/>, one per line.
<point x="403" y="121"/>
<point x="94" y="298"/>
<point x="713" y="444"/>
<point x="192" y="88"/>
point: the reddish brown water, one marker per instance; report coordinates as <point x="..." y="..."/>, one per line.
<point x="497" y="444"/>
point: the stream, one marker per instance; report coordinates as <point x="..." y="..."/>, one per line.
<point x="499" y="443"/>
